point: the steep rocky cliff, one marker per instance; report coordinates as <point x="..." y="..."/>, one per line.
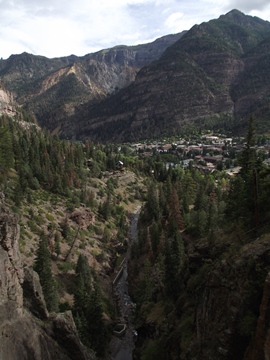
<point x="28" y="331"/>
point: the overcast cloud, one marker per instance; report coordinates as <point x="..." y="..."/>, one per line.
<point x="55" y="28"/>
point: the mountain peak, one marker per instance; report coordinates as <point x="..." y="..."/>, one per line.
<point x="241" y="19"/>
<point x="234" y="13"/>
<point x="236" y="16"/>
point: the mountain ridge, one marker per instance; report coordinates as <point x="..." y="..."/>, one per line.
<point x="199" y="78"/>
<point x="52" y="88"/>
<point x="190" y="84"/>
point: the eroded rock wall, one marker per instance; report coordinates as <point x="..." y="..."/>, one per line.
<point x="7" y="105"/>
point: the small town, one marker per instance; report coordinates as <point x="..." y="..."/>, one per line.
<point x="206" y="153"/>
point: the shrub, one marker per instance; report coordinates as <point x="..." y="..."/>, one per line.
<point x="49" y="217"/>
<point x="66" y="266"/>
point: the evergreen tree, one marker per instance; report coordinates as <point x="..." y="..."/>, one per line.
<point x="243" y="196"/>
<point x="175" y="210"/>
<point x="152" y="206"/>
<point x="87" y="307"/>
<point x="83" y="288"/>
<point x="6" y="151"/>
<point x="155" y="232"/>
<point x="173" y="261"/>
<point x="42" y="266"/>
<point x="95" y="324"/>
<point x="248" y="157"/>
<point x="146" y="285"/>
<point x="57" y="243"/>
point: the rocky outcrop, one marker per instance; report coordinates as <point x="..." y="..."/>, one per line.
<point x="7" y="105"/>
<point x="27" y="331"/>
<point x="83" y="218"/>
<point x="33" y="298"/>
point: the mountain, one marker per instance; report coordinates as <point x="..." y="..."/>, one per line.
<point x="52" y="88"/>
<point x="215" y="75"/>
<point x="217" y="71"/>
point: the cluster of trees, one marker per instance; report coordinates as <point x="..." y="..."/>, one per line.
<point x="247" y="200"/>
<point x="40" y="160"/>
<point x="184" y="207"/>
<point x="187" y="202"/>
<point x="183" y="203"/>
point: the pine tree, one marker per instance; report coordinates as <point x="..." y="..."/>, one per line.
<point x="42" y="266"/>
<point x="174" y="261"/>
<point x="152" y="205"/>
<point x="146" y="285"/>
<point x="95" y="325"/>
<point x="57" y="243"/>
<point x="248" y="157"/>
<point x="6" y="151"/>
<point x="175" y="210"/>
<point x="243" y="196"/>
<point x="83" y="288"/>
<point x="87" y="307"/>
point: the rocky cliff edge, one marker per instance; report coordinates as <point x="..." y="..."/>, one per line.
<point x="27" y="330"/>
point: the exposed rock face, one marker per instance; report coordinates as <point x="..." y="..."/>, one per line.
<point x="33" y="295"/>
<point x="83" y="218"/>
<point x="260" y="346"/>
<point x="25" y="335"/>
<point x="11" y="272"/>
<point x="7" y="105"/>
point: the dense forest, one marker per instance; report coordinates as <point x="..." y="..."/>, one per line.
<point x="191" y="225"/>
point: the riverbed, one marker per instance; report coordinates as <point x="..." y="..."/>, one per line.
<point x="121" y="348"/>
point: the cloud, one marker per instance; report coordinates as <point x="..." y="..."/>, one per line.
<point x="249" y="5"/>
<point x="174" y="21"/>
<point x="62" y="27"/>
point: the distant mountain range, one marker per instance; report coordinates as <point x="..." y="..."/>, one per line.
<point x="217" y="74"/>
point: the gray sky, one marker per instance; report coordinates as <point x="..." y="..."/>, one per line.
<point x="54" y="28"/>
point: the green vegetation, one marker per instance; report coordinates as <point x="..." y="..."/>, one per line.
<point x="72" y="201"/>
<point x="188" y="210"/>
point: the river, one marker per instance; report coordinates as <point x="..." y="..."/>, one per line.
<point x="122" y="348"/>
